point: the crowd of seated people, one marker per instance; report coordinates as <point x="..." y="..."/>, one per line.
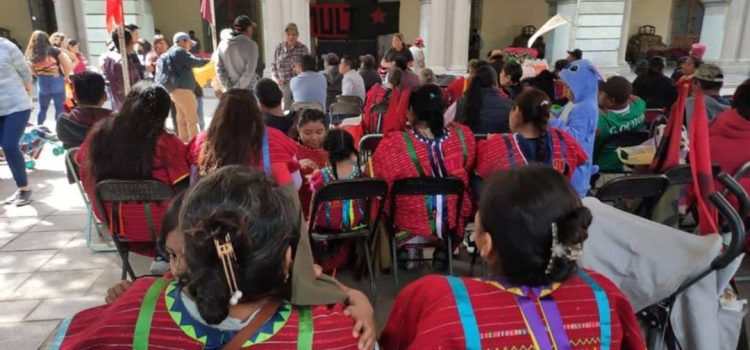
<point x="257" y="167"/>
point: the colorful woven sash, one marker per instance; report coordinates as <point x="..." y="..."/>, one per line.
<point x="465" y="313"/>
<point x="266" y="153"/>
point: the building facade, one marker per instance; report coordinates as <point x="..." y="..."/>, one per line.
<point x="601" y="28"/>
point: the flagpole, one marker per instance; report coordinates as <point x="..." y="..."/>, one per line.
<point x="124" y="57"/>
<point x="213" y="25"/>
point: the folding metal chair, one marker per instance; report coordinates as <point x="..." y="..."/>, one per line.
<point x="425" y="186"/>
<point x="647" y="188"/>
<point x="116" y="192"/>
<point x="355" y="100"/>
<point x="340" y="111"/>
<point x="298" y="106"/>
<point x="74" y="177"/>
<point x="379" y="111"/>
<point x="367" y="146"/>
<point x="367" y="189"/>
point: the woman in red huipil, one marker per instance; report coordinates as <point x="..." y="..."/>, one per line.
<point x="397" y="99"/>
<point x="531" y="141"/>
<point x="238" y="231"/>
<point x="530" y="230"/>
<point x="237" y="136"/>
<point x="427" y="148"/>
<point x="133" y="145"/>
<point x="311" y="130"/>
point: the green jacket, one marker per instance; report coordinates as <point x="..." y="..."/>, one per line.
<point x="614" y="122"/>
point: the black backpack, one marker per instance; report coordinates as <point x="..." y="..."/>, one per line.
<point x="165" y="74"/>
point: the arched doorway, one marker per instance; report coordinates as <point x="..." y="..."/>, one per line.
<point x="687" y="20"/>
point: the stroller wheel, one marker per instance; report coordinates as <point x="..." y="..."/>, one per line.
<point x="58" y="151"/>
<point x="440" y="259"/>
<point x="30" y="164"/>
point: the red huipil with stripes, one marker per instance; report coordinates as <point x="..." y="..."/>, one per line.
<point x="320" y="157"/>
<point x="425" y="316"/>
<point x="396" y="116"/>
<point x="502" y="152"/>
<point x="392" y="162"/>
<point x="169" y="166"/>
<point x="282" y="152"/>
<point x="113" y="326"/>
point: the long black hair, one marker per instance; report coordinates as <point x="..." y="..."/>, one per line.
<point x="304" y="116"/>
<point x="38" y="48"/>
<point x="122" y="147"/>
<point x="339" y="144"/>
<point x="534" y="105"/>
<point x="427" y="105"/>
<point x="261" y="222"/>
<point x="484" y="77"/>
<point x="235" y="134"/>
<point x="518" y="208"/>
<point x="741" y="99"/>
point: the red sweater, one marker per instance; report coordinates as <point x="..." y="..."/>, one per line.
<point x="729" y="138"/>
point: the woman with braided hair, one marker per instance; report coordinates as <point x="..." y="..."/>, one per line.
<point x="531" y="140"/>
<point x="530" y="230"/>
<point x="427" y="148"/>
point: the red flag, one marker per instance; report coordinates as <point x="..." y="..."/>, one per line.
<point x="114" y="15"/>
<point x="700" y="161"/>
<point x="668" y="151"/>
<point x="207" y="11"/>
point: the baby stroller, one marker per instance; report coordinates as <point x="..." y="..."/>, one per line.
<point x="676" y="281"/>
<point x="32" y="143"/>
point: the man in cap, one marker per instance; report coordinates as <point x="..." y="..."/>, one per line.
<point x="286" y="55"/>
<point x="575" y="55"/>
<point x="238" y="56"/>
<point x="180" y="64"/>
<point x="709" y="79"/>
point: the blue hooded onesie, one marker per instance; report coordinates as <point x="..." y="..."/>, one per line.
<point x="578" y="118"/>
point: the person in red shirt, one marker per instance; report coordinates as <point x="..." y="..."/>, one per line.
<point x="428" y="148"/>
<point x="134" y="145"/>
<point x="238" y="233"/>
<point x="237" y="136"/>
<point x="311" y="130"/>
<point x="397" y="100"/>
<point x="530" y="141"/>
<point x="530" y="230"/>
<point x="458" y="86"/>
<point x="730" y="133"/>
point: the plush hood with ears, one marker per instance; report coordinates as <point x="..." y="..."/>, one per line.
<point x="582" y="77"/>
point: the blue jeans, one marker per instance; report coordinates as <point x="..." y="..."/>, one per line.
<point x="201" y="120"/>
<point x="12" y="127"/>
<point x="50" y="88"/>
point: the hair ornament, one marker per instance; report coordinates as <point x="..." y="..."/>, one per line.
<point x="559" y="250"/>
<point x="544" y="103"/>
<point x="432" y="95"/>
<point x="225" y="251"/>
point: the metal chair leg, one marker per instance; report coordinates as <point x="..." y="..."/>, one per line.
<point x="394" y="261"/>
<point x="449" y="250"/>
<point x="373" y="289"/>
<point x="90" y="226"/>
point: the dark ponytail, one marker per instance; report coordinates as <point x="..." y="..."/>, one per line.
<point x="427" y="104"/>
<point x="339" y="144"/>
<point x="534" y="105"/>
<point x="484" y="77"/>
<point x="572" y="230"/>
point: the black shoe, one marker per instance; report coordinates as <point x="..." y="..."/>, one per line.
<point x="20" y="198"/>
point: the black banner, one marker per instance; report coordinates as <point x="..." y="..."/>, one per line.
<point x="373" y="19"/>
<point x="330" y="21"/>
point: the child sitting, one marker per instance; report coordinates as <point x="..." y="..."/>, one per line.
<point x="337" y="215"/>
<point x="619" y="111"/>
<point x="311" y="130"/>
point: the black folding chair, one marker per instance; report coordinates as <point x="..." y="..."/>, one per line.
<point x="74" y="177"/>
<point x="116" y="192"/>
<point x="683" y="175"/>
<point x="298" y="106"/>
<point x="646" y="188"/>
<point x="367" y="189"/>
<point x="367" y="146"/>
<point x="342" y="110"/>
<point x="623" y="139"/>
<point x="426" y="186"/>
<point x="379" y="110"/>
<point x="480" y="137"/>
<point x="355" y="100"/>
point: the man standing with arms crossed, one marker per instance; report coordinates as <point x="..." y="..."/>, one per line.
<point x="238" y="56"/>
<point x="284" y="58"/>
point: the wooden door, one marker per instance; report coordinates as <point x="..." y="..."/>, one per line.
<point x="687" y="20"/>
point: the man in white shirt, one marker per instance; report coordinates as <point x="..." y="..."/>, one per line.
<point x="352" y="84"/>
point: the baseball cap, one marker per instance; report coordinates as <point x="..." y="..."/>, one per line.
<point x="179" y="36"/>
<point x="419" y="41"/>
<point x="242" y="22"/>
<point x="577" y="53"/>
<point x="332" y="58"/>
<point x="710" y="72"/>
<point x="291" y="26"/>
<point x="132" y="27"/>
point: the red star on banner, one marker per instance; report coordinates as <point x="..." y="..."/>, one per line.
<point x="378" y="16"/>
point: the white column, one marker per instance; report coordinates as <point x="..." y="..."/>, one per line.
<point x="437" y="22"/>
<point x="624" y="67"/>
<point x="735" y="48"/>
<point x="273" y="30"/>
<point x="712" y="32"/>
<point x="459" y="48"/>
<point x="600" y="28"/>
<point x="65" y="13"/>
<point x="146" y="19"/>
<point x="298" y="12"/>
<point x="561" y="38"/>
<point x="743" y="55"/>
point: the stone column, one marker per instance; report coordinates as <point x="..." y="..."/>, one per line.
<point x="65" y="15"/>
<point x="601" y="33"/>
<point x="734" y="47"/>
<point x="561" y="38"/>
<point x="714" y="23"/>
<point x="273" y="30"/>
<point x="459" y="48"/>
<point x="437" y="21"/>
<point x="298" y="11"/>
